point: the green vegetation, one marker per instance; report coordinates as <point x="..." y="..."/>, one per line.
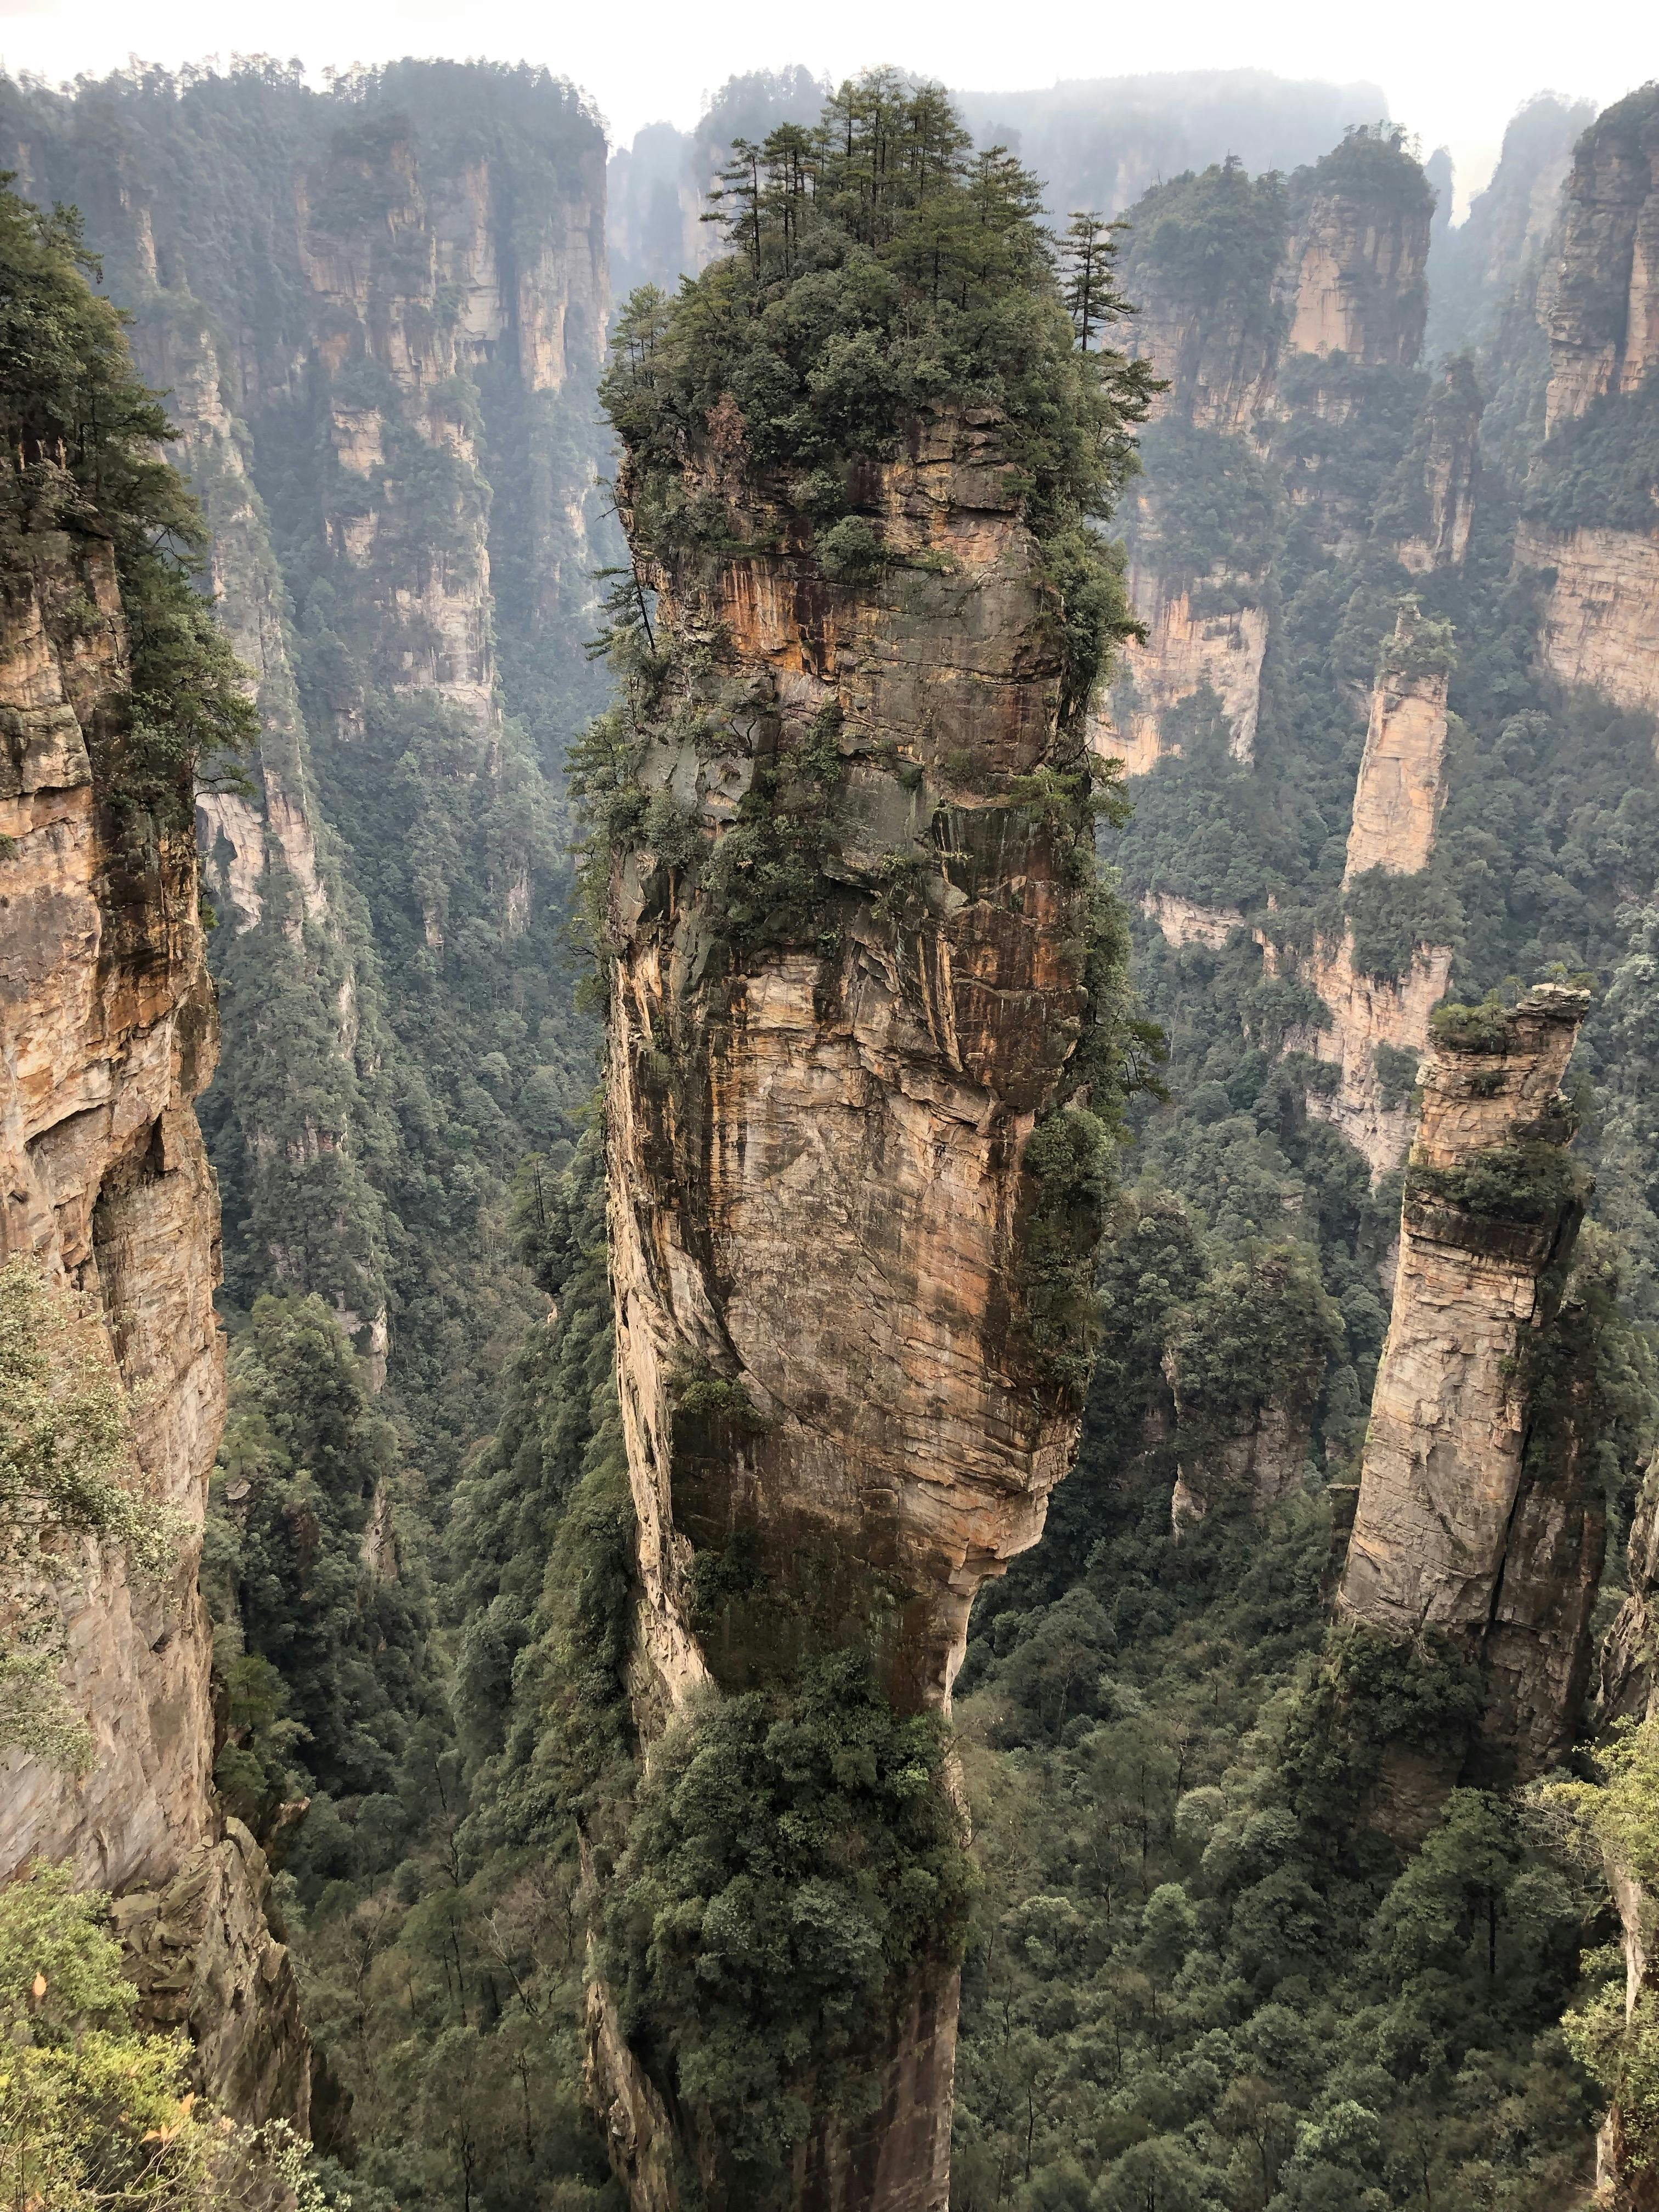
<point x="1208" y="243"/>
<point x="94" y="2109"/>
<point x="794" y="1858"/>
<point x="67" y="1470"/>
<point x="81" y="434"/>
<point x="1527" y="1182"/>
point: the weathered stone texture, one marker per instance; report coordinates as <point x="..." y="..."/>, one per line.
<point x="1365" y="1012"/>
<point x="1185" y="653"/>
<point x="1603" y="309"/>
<point x="1397" y="800"/>
<point x="107" y="1035"/>
<point x="815" y="1154"/>
<point x="1601" y="614"/>
<point x="1454" y="1530"/>
<point x="1358" y="285"/>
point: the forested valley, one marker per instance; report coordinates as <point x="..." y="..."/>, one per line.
<point x="614" y="723"/>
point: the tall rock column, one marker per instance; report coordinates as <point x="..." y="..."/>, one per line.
<point x="1589" y="513"/>
<point x="844" y="1401"/>
<point x="1478" y="1515"/>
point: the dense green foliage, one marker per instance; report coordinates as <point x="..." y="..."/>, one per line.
<point x="793" y="1857"/>
<point x="881" y="268"/>
<point x="93" y="2110"/>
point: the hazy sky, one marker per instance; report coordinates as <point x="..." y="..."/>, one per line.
<point x="1453" y="69"/>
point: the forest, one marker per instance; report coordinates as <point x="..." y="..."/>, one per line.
<point x="422" y="531"/>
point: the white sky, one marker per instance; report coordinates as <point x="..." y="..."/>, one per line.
<point x="1454" y="71"/>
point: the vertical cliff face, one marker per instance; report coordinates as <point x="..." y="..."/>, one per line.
<point x="851" y="948"/>
<point x="1429" y="509"/>
<point x="817" y="1172"/>
<point x="1601" y="623"/>
<point x="1377" y="1024"/>
<point x="1401" y="783"/>
<point x="1603" y="319"/>
<point x="1477" y="1515"/>
<point x="378" y="316"/>
<point x="1257" y="305"/>
<point x="107" y="1034"/>
<point x="1589" y="510"/>
<point x="1356" y="277"/>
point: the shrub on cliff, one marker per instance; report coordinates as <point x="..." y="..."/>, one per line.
<point x="880" y="270"/>
<point x="793" y="1856"/>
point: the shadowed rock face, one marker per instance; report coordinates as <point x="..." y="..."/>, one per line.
<point x="819" y="1205"/>
<point x="108" y="1034"/>
<point x="1470" y="1521"/>
<point x="1603" y="314"/>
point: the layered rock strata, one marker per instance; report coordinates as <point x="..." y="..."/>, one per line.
<point x="1397" y="800"/>
<point x="1595" y="526"/>
<point x="1471" y="1521"/>
<point x="107" y="1034"/>
<point x="818" y="1200"/>
<point x="1368" y="1012"/>
<point x="1189" y="654"/>
<point x="1434" y="510"/>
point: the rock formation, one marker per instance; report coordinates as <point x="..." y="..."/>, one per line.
<point x="1589" y="518"/>
<point x="410" y="430"/>
<point x="1431" y="510"/>
<point x="107" y="1034"/>
<point x="1397" y="802"/>
<point x="819" y="1201"/>
<point x="1356" y="278"/>
<point x="1372" y="1018"/>
<point x="1478" y="1517"/>
<point x="1186" y="656"/>
<point x="1601" y="610"/>
<point x="1255" y="404"/>
<point x="1603" y="319"/>
<point x="1366" y="1012"/>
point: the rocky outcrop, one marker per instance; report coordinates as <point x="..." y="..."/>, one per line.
<point x="1372" y="1110"/>
<point x="1477" y="1516"/>
<point x="1603" y="314"/>
<point x="826" y="1354"/>
<point x="1601" y="612"/>
<point x="1183" y="921"/>
<point x="107" y="1034"/>
<point x="1356" y="281"/>
<point x="1397" y="800"/>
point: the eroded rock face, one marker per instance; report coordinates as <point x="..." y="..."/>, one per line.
<point x="107" y="1034"/>
<point x="816" y="1155"/>
<point x="1397" y="800"/>
<point x="818" y="1195"/>
<point x="1461" y="1526"/>
<point x="1603" y="314"/>
<point x="1601" y="615"/>
<point x="1200" y="641"/>
<point x="1358" y="285"/>
<point x="1367" y="1011"/>
<point x="1441" y="476"/>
